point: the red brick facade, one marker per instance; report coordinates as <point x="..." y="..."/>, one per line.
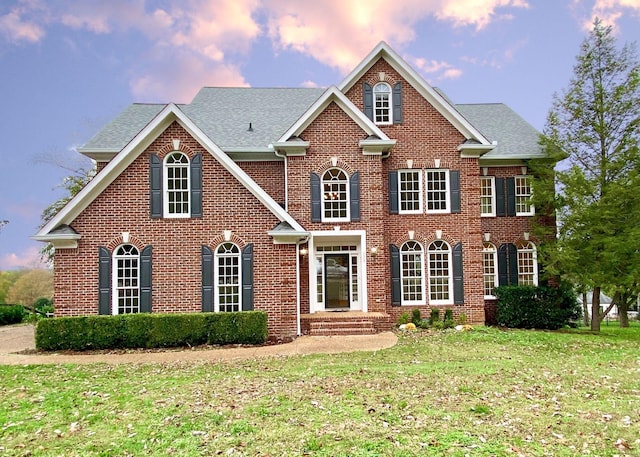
<point x="424" y="140"/>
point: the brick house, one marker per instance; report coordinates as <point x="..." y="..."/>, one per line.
<point x="372" y="197"/>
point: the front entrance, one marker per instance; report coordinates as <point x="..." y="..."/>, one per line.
<point x="336" y="278"/>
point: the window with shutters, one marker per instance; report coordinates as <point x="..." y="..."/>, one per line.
<point x="335" y="196"/>
<point x="382" y="104"/>
<point x="176" y="185"/>
<point x="412" y="273"/>
<point x="410" y="191"/>
<point x="487" y="196"/>
<point x="527" y="264"/>
<point x="126" y="280"/>
<point x="489" y="269"/>
<point x="440" y="277"/>
<point x="437" y="192"/>
<point x="227" y="278"/>
<point x="523" y="196"/>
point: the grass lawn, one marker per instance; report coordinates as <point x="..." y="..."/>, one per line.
<point x="486" y="392"/>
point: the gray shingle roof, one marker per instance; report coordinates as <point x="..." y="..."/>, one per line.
<point x="224" y="114"/>
<point x="517" y="139"/>
<point x="116" y="134"/>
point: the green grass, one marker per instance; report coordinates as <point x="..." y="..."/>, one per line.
<point x="482" y="393"/>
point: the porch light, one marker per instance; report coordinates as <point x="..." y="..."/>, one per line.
<point x="374" y="250"/>
<point x="526" y="236"/>
<point x="304" y="252"/>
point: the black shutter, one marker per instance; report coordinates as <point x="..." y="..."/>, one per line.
<point x="155" y="183"/>
<point x="511" y="196"/>
<point x="512" y="254"/>
<point x="367" y="94"/>
<point x="247" y="278"/>
<point x="500" y="203"/>
<point x="354" y="195"/>
<point x="207" y="279"/>
<point x="393" y="192"/>
<point x="396" y="285"/>
<point x="104" y="281"/>
<point x="196" y="186"/>
<point x="397" y="103"/>
<point x="454" y="183"/>
<point x="458" y="277"/>
<point x="503" y="266"/>
<point x="316" y="198"/>
<point x="145" y="279"/>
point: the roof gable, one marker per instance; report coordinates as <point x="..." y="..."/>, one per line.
<point x="135" y="147"/>
<point x="383" y="51"/>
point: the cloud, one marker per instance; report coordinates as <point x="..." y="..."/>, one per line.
<point x="339" y="32"/>
<point x="609" y="11"/>
<point x="28" y="258"/>
<point x="16" y="28"/>
<point x="435" y="70"/>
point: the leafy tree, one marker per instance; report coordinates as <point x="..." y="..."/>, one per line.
<point x="72" y="184"/>
<point x="30" y="287"/>
<point x="594" y="126"/>
<point x="7" y="279"/>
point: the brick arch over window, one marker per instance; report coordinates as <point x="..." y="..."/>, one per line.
<point x="389" y="78"/>
<point x="169" y="148"/>
<point x="339" y="164"/>
<point x="119" y="240"/>
<point x="219" y="239"/>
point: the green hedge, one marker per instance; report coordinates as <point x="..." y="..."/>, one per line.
<point x="539" y="307"/>
<point x="11" y="314"/>
<point x="146" y="330"/>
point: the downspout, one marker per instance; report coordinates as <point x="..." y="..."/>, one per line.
<point x="286" y="178"/>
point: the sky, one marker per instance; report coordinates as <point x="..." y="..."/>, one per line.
<point x="67" y="67"/>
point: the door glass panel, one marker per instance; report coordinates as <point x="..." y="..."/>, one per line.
<point x="336" y="268"/>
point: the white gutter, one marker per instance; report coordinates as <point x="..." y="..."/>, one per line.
<point x="286" y="178"/>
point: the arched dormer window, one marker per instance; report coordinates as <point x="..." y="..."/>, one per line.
<point x="335" y="196"/>
<point x="176" y="185"/>
<point x="382" y="100"/>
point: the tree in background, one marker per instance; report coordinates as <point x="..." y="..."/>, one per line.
<point x="594" y="126"/>
<point x="31" y="286"/>
<point x="72" y="185"/>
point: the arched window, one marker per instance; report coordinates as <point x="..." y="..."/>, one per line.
<point x="382" y="103"/>
<point x="227" y="278"/>
<point x="335" y="196"/>
<point x="412" y="273"/>
<point x="489" y="269"/>
<point x="126" y="280"/>
<point x="176" y="185"/>
<point x="527" y="264"/>
<point x="440" y="277"/>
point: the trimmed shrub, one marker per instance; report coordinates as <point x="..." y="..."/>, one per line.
<point x="11" y="314"/>
<point x="448" y="321"/>
<point x="404" y="318"/>
<point x="539" y="307"/>
<point x="415" y="316"/>
<point x="434" y="316"/>
<point x="146" y="330"/>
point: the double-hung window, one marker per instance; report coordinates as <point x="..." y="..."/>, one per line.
<point x="489" y="269"/>
<point x="487" y="196"/>
<point x="410" y="191"/>
<point x="527" y="264"/>
<point x="523" y="196"/>
<point x="227" y="278"/>
<point x="438" y="200"/>
<point x="382" y="103"/>
<point x="335" y="196"/>
<point x="440" y="277"/>
<point x="412" y="271"/>
<point x="177" y="188"/>
<point x="126" y="270"/>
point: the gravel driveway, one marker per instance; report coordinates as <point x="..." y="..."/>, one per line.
<point x="17" y="342"/>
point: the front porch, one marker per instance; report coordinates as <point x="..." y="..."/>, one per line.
<point x="326" y="323"/>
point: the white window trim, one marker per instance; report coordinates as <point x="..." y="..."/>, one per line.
<point x="494" y="251"/>
<point x="534" y="258"/>
<point x="492" y="180"/>
<point x="449" y="301"/>
<point x="420" y="210"/>
<point x="216" y="276"/>
<point x="390" y="121"/>
<point x="114" y="277"/>
<point x="165" y="190"/>
<point x="423" y="278"/>
<point x="532" y="210"/>
<point x="347" y="218"/>
<point x="447" y="192"/>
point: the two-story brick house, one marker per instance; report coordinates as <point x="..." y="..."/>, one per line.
<point x="372" y="198"/>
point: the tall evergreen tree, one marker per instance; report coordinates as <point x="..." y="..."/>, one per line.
<point x="592" y="129"/>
